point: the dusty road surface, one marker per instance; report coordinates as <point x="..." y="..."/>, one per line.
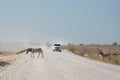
<point x="58" y="66"/>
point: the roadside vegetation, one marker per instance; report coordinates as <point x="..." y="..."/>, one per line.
<point x="110" y="53"/>
<point x="3" y="63"/>
<point x="4" y="60"/>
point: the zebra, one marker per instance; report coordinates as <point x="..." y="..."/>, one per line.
<point x="32" y="50"/>
<point x="102" y="54"/>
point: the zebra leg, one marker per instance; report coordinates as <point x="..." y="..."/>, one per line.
<point x="42" y="54"/>
<point x="33" y="55"/>
<point x="103" y="57"/>
<point x="38" y="55"/>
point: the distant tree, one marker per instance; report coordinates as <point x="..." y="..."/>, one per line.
<point x="81" y="44"/>
<point x="115" y="43"/>
<point x="69" y="44"/>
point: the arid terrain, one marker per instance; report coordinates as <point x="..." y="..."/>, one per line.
<point x="105" y="53"/>
<point x="56" y="66"/>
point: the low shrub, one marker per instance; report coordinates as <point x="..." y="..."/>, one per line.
<point x="3" y="63"/>
<point x="93" y="50"/>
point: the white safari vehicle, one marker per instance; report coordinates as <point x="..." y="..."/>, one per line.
<point x="57" y="47"/>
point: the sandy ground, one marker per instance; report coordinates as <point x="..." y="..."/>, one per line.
<point x="58" y="66"/>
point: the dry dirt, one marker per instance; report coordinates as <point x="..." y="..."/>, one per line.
<point x="57" y="66"/>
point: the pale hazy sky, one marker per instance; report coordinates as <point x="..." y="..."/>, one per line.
<point x="74" y="21"/>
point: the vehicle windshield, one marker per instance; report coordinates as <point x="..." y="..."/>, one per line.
<point x="57" y="45"/>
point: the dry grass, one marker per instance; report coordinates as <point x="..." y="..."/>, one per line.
<point x="3" y="63"/>
<point x="6" y="58"/>
<point x="91" y="51"/>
